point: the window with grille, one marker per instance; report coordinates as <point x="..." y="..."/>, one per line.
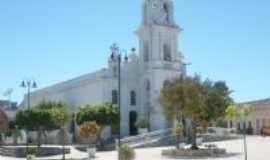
<point x="133" y="98"/>
<point x="114" y="97"/>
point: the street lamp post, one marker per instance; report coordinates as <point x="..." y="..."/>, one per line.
<point x="117" y="55"/>
<point x="183" y="74"/>
<point x="28" y="85"/>
<point x="119" y="98"/>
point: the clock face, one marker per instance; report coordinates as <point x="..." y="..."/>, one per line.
<point x="159" y="11"/>
<point x="155" y="4"/>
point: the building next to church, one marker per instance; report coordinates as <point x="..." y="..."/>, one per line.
<point x="258" y="119"/>
<point x="9" y="108"/>
<point x="143" y="72"/>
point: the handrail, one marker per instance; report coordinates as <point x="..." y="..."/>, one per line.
<point x="146" y="138"/>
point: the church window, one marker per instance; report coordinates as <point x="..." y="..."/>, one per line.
<point x="133" y="98"/>
<point x="167" y="53"/>
<point x="114" y="71"/>
<point x="166" y="7"/>
<point x="147" y="85"/>
<point x="166" y="10"/>
<point x="145" y="51"/>
<point x="114" y="97"/>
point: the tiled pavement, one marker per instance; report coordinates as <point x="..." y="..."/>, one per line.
<point x="258" y="149"/>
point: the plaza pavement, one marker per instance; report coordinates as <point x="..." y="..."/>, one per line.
<point x="258" y="149"/>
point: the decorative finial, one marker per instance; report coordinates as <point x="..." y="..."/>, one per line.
<point x="114" y="48"/>
<point x="126" y="58"/>
<point x="133" y="50"/>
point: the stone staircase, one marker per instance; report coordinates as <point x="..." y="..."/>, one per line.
<point x="151" y="139"/>
<point x="165" y="138"/>
<point x="7" y="151"/>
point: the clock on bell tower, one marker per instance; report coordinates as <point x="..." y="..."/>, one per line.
<point x="158" y="12"/>
<point x="158" y="34"/>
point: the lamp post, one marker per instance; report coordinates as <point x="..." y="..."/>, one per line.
<point x="117" y="56"/>
<point x="28" y="85"/>
<point x="183" y="74"/>
<point x="119" y="97"/>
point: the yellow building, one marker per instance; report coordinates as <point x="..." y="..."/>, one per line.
<point x="257" y="120"/>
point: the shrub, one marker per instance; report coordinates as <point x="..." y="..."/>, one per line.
<point x="126" y="152"/>
<point x="89" y="129"/>
<point x="142" y="123"/>
<point x="32" y="151"/>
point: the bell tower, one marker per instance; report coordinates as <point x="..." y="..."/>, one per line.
<point x="159" y="58"/>
<point x="158" y="33"/>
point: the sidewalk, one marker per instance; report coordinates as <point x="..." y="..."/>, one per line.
<point x="258" y="149"/>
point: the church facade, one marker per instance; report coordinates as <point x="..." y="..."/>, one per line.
<point x="142" y="74"/>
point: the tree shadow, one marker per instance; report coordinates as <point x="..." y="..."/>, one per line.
<point x="227" y="155"/>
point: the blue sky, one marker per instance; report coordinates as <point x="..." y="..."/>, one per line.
<point x="55" y="40"/>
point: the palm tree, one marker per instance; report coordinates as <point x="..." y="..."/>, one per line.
<point x="242" y="111"/>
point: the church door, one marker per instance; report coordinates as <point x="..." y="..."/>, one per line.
<point x="132" y="123"/>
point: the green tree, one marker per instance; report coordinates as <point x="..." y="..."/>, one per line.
<point x="216" y="97"/>
<point x="36" y="119"/>
<point x="41" y="118"/>
<point x="172" y="99"/>
<point x="242" y="111"/>
<point x="200" y="101"/>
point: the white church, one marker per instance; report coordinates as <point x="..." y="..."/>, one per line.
<point x="142" y="74"/>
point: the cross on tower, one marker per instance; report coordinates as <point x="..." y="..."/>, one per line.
<point x="114" y="49"/>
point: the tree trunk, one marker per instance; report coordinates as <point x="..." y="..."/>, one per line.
<point x="178" y="141"/>
<point x="45" y="137"/>
<point x="194" y="136"/>
<point x="39" y="138"/>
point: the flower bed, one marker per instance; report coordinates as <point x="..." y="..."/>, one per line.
<point x="207" y="152"/>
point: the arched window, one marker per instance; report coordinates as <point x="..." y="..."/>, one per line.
<point x="167" y="52"/>
<point x="147" y="85"/>
<point x="114" y="97"/>
<point x="166" y="7"/>
<point x="133" y="98"/>
<point x="145" y="51"/>
<point x="114" y="71"/>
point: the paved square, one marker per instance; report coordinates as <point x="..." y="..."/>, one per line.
<point x="258" y="149"/>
